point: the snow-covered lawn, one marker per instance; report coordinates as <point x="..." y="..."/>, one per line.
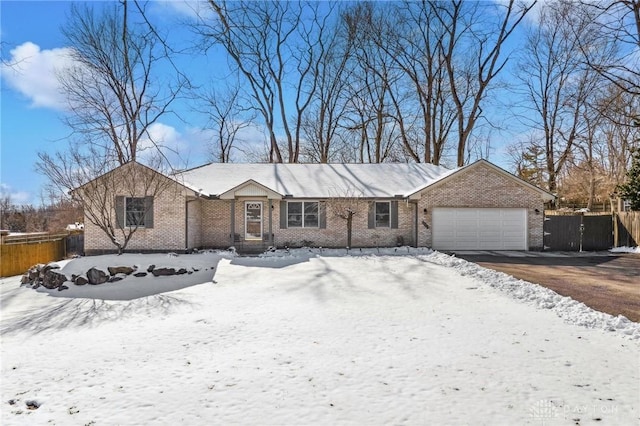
<point x="304" y="338"/>
<point x="625" y="250"/>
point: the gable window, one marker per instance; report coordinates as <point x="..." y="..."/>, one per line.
<point x="302" y="214"/>
<point x="383" y="214"/>
<point x="134" y="212"/>
<point x="134" y="209"/>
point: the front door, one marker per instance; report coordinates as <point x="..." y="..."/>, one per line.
<point x="253" y="220"/>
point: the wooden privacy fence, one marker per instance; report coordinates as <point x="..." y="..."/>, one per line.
<point x="19" y="253"/>
<point x="591" y="231"/>
<point x="578" y="232"/>
<point x="626" y="229"/>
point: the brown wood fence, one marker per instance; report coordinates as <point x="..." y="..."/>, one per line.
<point x="19" y="254"/>
<point x="626" y="229"/>
<point x="578" y="232"/>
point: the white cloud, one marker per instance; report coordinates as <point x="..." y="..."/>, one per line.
<point x="192" y="9"/>
<point x="168" y="140"/>
<point x="164" y="136"/>
<point x="33" y="72"/>
<point x="16" y="197"/>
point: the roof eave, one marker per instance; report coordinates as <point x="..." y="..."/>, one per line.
<point x="230" y="194"/>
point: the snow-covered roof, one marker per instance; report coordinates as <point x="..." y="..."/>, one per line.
<point x="315" y="180"/>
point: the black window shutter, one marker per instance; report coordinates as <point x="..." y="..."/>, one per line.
<point x="120" y="211"/>
<point x="394" y="214"/>
<point x="372" y="214"/>
<point x="148" y="212"/>
<point x="283" y="215"/>
<point x="322" y="211"/>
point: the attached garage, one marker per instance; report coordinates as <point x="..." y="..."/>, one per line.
<point x="479" y="228"/>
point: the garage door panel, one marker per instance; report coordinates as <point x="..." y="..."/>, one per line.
<point x="479" y="228"/>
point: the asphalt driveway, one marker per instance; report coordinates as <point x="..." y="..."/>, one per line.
<point x="607" y="282"/>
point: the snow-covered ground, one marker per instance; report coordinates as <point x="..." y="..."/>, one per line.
<point x="308" y="338"/>
<point x="625" y="250"/>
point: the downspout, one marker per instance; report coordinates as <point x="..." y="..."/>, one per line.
<point x="186" y="223"/>
<point x="233" y="222"/>
<point x="415" y="224"/>
<point x="269" y="202"/>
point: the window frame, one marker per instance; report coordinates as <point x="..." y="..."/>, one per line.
<point x="304" y="214"/>
<point x="141" y="200"/>
<point x="376" y="214"/>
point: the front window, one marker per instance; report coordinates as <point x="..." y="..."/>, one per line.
<point x="383" y="215"/>
<point x="134" y="211"/>
<point x="302" y="214"/>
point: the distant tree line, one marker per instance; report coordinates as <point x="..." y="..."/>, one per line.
<point x="26" y="218"/>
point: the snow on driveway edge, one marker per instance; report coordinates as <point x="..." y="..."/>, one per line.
<point x="570" y="310"/>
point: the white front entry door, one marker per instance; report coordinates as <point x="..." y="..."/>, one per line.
<point x="253" y="220"/>
<point x="479" y="229"/>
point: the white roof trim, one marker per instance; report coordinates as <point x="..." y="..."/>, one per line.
<point x="268" y="192"/>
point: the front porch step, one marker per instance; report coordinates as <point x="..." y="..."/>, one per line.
<point x="251" y="247"/>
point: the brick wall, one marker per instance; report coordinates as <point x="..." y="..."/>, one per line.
<point x="194" y="222"/>
<point x="216" y="213"/>
<point x="169" y="211"/>
<point x="215" y="223"/>
<point x="481" y="186"/>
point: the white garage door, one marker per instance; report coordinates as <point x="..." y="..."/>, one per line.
<point x="479" y="229"/>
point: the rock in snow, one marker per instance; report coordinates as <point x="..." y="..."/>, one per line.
<point x="96" y="276"/>
<point x="113" y="270"/>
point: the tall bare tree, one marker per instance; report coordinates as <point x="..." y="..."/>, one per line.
<point x="323" y="120"/>
<point x="276" y="48"/>
<point x="620" y="25"/>
<point x="115" y="93"/>
<point x="558" y="85"/>
<point x="371" y="86"/>
<point x="226" y="116"/>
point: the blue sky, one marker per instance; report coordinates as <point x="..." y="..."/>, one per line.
<point x="31" y="108"/>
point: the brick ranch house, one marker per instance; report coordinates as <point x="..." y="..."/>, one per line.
<point x="254" y="206"/>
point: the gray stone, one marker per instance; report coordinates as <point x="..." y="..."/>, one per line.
<point x="113" y="270"/>
<point x="181" y="271"/>
<point x="140" y="274"/>
<point x="63" y="287"/>
<point x="32" y="404"/>
<point x="53" y="279"/>
<point x="151" y="268"/>
<point x="114" y="279"/>
<point x="163" y="272"/>
<point x="80" y="280"/>
<point x="34" y="272"/>
<point x="96" y="276"/>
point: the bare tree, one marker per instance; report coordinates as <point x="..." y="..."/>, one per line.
<point x="113" y="90"/>
<point x="370" y="115"/>
<point x="345" y="204"/>
<point x="425" y="70"/>
<point x="472" y="54"/>
<point x="114" y="95"/>
<point x="557" y="84"/>
<point x="322" y="121"/>
<point x="276" y="48"/>
<point x="620" y="25"/>
<point x="101" y="191"/>
<point x="226" y="117"/>
<point x="413" y="38"/>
